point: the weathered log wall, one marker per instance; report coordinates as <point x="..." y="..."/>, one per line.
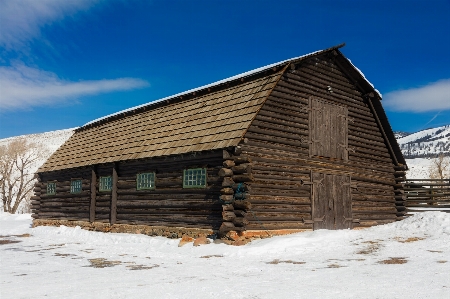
<point x="64" y="205"/>
<point x="278" y="143"/>
<point x="169" y="204"/>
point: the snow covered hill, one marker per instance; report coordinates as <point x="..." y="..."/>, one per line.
<point x="426" y="143"/>
<point x="400" y="134"/>
<point x="42" y="145"/>
<point x="48" y="140"/>
<point x="51" y="140"/>
<point x="421" y="147"/>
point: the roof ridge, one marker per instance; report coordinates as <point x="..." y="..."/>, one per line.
<point x="214" y="84"/>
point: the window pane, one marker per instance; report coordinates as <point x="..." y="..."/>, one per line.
<point x="194" y="178"/>
<point x="75" y="186"/>
<point x="146" y="181"/>
<point x="51" y="188"/>
<point x="105" y="183"/>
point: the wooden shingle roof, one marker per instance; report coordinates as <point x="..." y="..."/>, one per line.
<point x="211" y="121"/>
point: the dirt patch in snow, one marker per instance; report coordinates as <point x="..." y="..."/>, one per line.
<point x="373" y="246"/>
<point x="64" y="254"/>
<point x="6" y="239"/>
<point x="141" y="267"/>
<point x="394" y="260"/>
<point x="210" y="256"/>
<point x="409" y="240"/>
<point x="4" y="242"/>
<point x="102" y="263"/>
<point x="277" y="261"/>
<point x="334" y="266"/>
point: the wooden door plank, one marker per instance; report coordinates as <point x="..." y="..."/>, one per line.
<point x="311" y="128"/>
<point x="342" y="134"/>
<point x="334" y="140"/>
<point x="318" y="205"/>
<point x="328" y="199"/>
<point x="339" y="202"/>
<point x="343" y="203"/>
<point x="326" y="134"/>
<point x="347" y="200"/>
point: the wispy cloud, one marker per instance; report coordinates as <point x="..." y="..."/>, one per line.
<point x="23" y="87"/>
<point x="432" y="97"/>
<point x="22" y="20"/>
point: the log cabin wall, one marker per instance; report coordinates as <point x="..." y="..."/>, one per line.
<point x="279" y="142"/>
<point x="64" y="204"/>
<point x="102" y="199"/>
<point x="169" y="204"/>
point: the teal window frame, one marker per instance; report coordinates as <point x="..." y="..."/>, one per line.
<point x="75" y="186"/>
<point x="195" y="178"/>
<point x="145" y="181"/>
<point x="105" y="183"/>
<point x="51" y="188"/>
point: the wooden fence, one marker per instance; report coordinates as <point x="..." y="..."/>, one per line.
<point x="422" y="195"/>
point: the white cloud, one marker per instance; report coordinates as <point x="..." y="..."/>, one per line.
<point x="432" y="97"/>
<point x="22" y="20"/>
<point x="22" y="86"/>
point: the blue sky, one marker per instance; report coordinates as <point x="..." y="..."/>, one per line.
<point x="65" y="63"/>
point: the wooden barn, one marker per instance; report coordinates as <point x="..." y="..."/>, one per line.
<point x="299" y="145"/>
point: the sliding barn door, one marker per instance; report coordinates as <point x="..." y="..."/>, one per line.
<point x="331" y="201"/>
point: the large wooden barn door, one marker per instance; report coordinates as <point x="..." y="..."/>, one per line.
<point x="328" y="130"/>
<point x="331" y="201"/>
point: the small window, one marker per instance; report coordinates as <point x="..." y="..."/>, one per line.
<point x="51" y="188"/>
<point x="75" y="186"/>
<point x="194" y="178"/>
<point x="145" y="181"/>
<point x="105" y="183"/>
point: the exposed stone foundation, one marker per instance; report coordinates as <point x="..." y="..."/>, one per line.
<point x="261" y="234"/>
<point x="165" y="231"/>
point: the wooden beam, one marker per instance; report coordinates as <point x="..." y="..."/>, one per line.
<point x="113" y="216"/>
<point x="93" y="196"/>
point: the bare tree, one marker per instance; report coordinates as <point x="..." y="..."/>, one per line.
<point x="440" y="167"/>
<point x="18" y="162"/>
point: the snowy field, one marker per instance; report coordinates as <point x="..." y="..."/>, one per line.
<point x="407" y="259"/>
<point x="418" y="168"/>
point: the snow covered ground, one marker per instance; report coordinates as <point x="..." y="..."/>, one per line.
<point x="418" y="168"/>
<point x="407" y="259"/>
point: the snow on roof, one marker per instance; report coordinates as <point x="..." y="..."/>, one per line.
<point x="362" y="75"/>
<point x="246" y="74"/>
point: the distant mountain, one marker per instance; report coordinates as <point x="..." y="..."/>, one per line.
<point x="400" y="134"/>
<point x="426" y="143"/>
